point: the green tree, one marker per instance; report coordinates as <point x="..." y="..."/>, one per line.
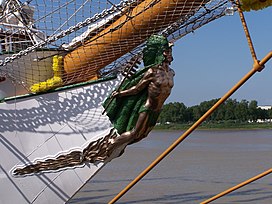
<point x="205" y="106"/>
<point x="196" y="113"/>
<point x="230" y="106"/>
<point x="241" y="111"/>
<point x="253" y="110"/>
<point x="174" y="112"/>
<point x="262" y="114"/>
<point x="230" y="110"/>
<point x="165" y="114"/>
<point x="269" y="112"/>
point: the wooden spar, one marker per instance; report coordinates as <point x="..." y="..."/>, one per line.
<point x="123" y="35"/>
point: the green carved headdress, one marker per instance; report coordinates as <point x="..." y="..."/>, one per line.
<point x="153" y="52"/>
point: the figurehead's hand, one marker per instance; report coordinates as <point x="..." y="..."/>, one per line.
<point x="115" y="94"/>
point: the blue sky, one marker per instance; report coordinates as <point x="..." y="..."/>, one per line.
<point x="215" y="57"/>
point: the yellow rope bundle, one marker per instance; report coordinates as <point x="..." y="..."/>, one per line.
<point x="53" y="82"/>
<point x="248" y="5"/>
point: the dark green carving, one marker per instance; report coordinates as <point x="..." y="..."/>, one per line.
<point x="124" y="111"/>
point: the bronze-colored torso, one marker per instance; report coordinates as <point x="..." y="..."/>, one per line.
<point x="160" y="86"/>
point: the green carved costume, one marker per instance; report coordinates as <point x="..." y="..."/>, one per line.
<point x="124" y="111"/>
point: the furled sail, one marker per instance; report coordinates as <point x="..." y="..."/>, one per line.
<point x="91" y="36"/>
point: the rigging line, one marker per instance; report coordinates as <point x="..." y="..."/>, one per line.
<point x="250" y="44"/>
<point x="259" y="176"/>
<point x="154" y="2"/>
<point x="86" y="40"/>
<point x="200" y="20"/>
<point x="54" y="10"/>
<point x="109" y="11"/>
<point x="26" y="27"/>
<point x="129" y="18"/>
<point x="12" y="10"/>
<point x="202" y="15"/>
<point x="120" y="10"/>
<point x="28" y="1"/>
<point x="70" y="17"/>
<point x="174" y="30"/>
<point x="136" y="60"/>
<point x="11" y="34"/>
<point x="54" y="38"/>
<point x="16" y="7"/>
<point x="256" y="67"/>
<point x="118" y="64"/>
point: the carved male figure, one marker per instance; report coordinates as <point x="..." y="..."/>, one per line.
<point x="134" y="112"/>
<point x="156" y="85"/>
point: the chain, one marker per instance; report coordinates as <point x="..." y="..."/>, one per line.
<point x="68" y="31"/>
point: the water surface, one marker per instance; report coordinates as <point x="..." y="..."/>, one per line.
<point x="204" y="164"/>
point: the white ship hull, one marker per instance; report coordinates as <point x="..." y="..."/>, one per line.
<point x="45" y="126"/>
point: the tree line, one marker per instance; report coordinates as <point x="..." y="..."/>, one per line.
<point x="230" y="110"/>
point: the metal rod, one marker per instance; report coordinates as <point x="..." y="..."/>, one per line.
<point x="256" y="67"/>
<point x="250" y="44"/>
<point x="238" y="186"/>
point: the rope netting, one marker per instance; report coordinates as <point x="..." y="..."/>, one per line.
<point x="92" y="38"/>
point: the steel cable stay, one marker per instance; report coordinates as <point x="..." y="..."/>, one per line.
<point x="53" y="131"/>
<point x="259" y="176"/>
<point x="257" y="67"/>
<point x="254" y="57"/>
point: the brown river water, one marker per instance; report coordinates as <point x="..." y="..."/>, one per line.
<point x="203" y="165"/>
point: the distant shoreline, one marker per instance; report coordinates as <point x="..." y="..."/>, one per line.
<point x="216" y="126"/>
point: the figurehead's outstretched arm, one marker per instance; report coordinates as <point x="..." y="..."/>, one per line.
<point x="143" y="83"/>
